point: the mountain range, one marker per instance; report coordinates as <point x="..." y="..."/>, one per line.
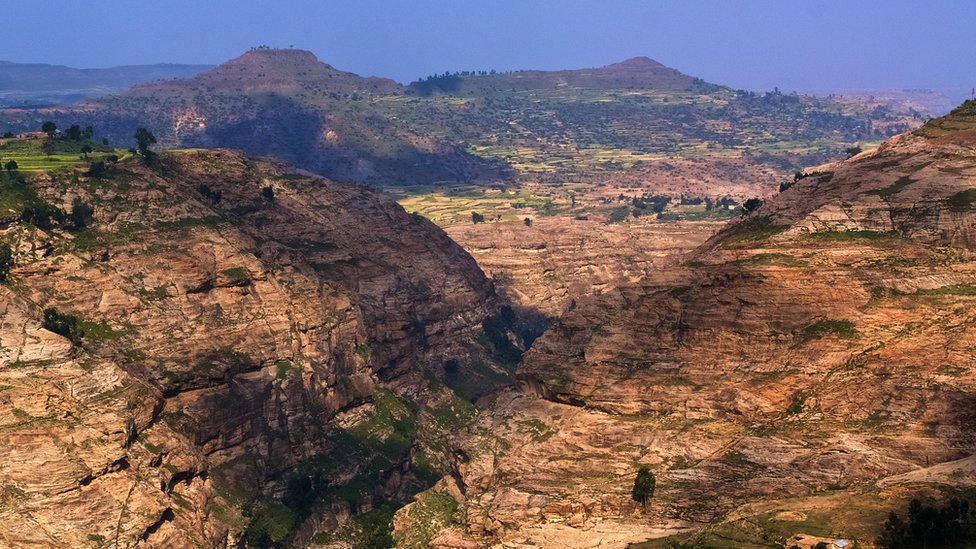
<point x="25" y="84"/>
<point x="485" y="128"/>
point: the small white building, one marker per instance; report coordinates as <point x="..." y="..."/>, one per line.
<point x="805" y="541"/>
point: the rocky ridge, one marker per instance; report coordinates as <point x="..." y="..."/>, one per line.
<point x="813" y="347"/>
<point x="229" y="350"/>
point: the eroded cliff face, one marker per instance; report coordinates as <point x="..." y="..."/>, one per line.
<point x="813" y="347"/>
<point x="237" y="359"/>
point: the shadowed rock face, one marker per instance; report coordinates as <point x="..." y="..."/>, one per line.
<point x="815" y="346"/>
<point x="230" y="341"/>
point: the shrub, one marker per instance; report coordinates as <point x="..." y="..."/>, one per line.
<point x="62" y="324"/>
<point x="618" y="214"/>
<point x="81" y="213"/>
<point x="929" y="526"/>
<point x="268" y="193"/>
<point x="96" y="169"/>
<point x="212" y="195"/>
<point x="6" y="261"/>
<point x="962" y="201"/>
<point x="43" y="215"/>
<point x="825" y="327"/>
<point x="751" y="204"/>
<point x="644" y="485"/>
<point x="477" y="217"/>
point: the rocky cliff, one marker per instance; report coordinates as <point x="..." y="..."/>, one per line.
<point x="811" y="348"/>
<point x="214" y="348"/>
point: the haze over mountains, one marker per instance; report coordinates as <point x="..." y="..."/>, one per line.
<point x="23" y="84"/>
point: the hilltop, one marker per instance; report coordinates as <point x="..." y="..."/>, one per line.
<point x="284" y="104"/>
<point x="782" y="380"/>
<point x="635" y="73"/>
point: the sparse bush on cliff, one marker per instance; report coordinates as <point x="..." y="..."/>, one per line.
<point x="210" y="194"/>
<point x="751" y="204"/>
<point x="6" y="261"/>
<point x="644" y="486"/>
<point x="43" y="215"/>
<point x="81" y="213"/>
<point x="62" y="324"/>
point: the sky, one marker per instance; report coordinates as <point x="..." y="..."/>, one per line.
<point x="749" y="44"/>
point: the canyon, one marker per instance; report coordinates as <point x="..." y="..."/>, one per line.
<point x="336" y="311"/>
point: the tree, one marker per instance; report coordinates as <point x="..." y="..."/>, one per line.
<point x="145" y="138"/>
<point x="74" y="132"/>
<point x="751" y="204"/>
<point x="6" y="261"/>
<point x="10" y="166"/>
<point x="267" y="193"/>
<point x="49" y="128"/>
<point x="81" y="213"/>
<point x="644" y="486"/>
<point x="96" y="169"/>
<point x="527" y="221"/>
<point x="85" y="149"/>
<point x="48" y="148"/>
<point x="852" y="151"/>
<point x="477" y="217"/>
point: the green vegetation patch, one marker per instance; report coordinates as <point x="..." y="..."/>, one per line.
<point x="853" y="236"/>
<point x="772" y="260"/>
<point x="364" y="350"/>
<point x="431" y="512"/>
<point x="15" y="196"/>
<point x="45" y="155"/>
<point x="681" y="381"/>
<point x="282" y="367"/>
<point x="618" y="214"/>
<point x="209" y="221"/>
<point x="76" y="329"/>
<point x="537" y="429"/>
<point x="89" y="240"/>
<point x="828" y="327"/>
<point x="457" y="414"/>
<point x="968" y="108"/>
<point x="954" y="289"/>
<point x="235" y="274"/>
<point x="754" y="230"/>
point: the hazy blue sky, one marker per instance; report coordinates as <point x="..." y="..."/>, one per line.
<point x="758" y="44"/>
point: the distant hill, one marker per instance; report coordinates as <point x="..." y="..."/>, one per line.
<point x="39" y="84"/>
<point x="635" y="117"/>
<point x="636" y="120"/>
<point x="927" y="102"/>
<point x="636" y="73"/>
<point x="282" y="103"/>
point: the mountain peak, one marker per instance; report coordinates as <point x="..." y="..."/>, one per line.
<point x="260" y="55"/>
<point x="637" y="63"/>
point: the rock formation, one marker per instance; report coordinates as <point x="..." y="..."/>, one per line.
<point x="813" y="347"/>
<point x="227" y="349"/>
